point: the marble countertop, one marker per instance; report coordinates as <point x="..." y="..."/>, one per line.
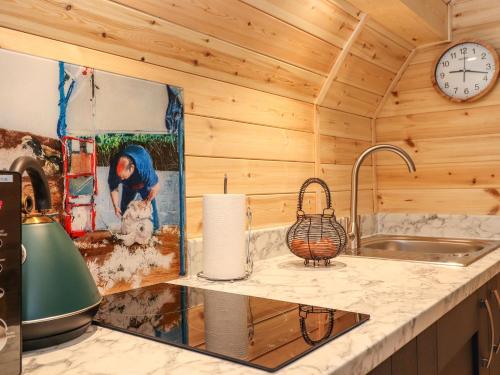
<point x="402" y="298"/>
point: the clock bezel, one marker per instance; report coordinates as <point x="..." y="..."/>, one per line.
<point x="487" y="89"/>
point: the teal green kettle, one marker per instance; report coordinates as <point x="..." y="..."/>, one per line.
<point x="59" y="295"/>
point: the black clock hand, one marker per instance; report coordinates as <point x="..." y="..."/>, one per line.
<point x="456" y="71"/>
<point x="476" y="71"/>
<point x="464" y="67"/>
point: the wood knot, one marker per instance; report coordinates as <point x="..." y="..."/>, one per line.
<point x="68" y="7"/>
<point x="493" y="192"/>
<point x="494" y="210"/>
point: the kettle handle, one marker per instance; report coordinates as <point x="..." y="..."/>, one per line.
<point x="38" y="180"/>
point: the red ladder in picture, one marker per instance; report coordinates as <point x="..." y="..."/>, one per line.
<point x="80" y="184"/>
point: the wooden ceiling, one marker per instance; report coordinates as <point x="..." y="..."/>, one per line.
<point x="301" y="49"/>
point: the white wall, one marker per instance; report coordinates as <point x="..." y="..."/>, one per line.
<point x="29" y="99"/>
<point x="28" y="93"/>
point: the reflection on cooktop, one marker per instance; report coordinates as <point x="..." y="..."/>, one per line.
<point x="258" y="332"/>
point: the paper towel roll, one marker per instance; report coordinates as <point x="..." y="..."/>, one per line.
<point x="224" y="223"/>
<point x="226" y="323"/>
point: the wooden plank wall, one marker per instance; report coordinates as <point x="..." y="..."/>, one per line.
<point x="455" y="146"/>
<point x="346" y="113"/>
<point x="252" y="72"/>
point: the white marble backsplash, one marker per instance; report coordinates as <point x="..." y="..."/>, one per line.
<point x="271" y="242"/>
<point x="440" y="225"/>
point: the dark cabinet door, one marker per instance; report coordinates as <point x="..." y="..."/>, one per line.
<point x="494" y="296"/>
<point x="457" y="337"/>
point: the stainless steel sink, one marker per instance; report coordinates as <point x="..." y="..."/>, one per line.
<point x="449" y="251"/>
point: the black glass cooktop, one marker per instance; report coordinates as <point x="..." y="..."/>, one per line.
<point x="258" y="332"/>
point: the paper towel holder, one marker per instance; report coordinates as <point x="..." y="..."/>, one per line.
<point x="249" y="263"/>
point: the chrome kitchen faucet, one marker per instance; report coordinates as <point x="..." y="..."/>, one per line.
<point x="353" y="227"/>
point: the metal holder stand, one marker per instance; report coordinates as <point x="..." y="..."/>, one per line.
<point x="250" y="255"/>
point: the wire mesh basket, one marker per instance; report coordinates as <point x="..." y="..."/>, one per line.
<point x="316" y="237"/>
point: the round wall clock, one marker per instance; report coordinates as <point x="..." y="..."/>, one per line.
<point x="466" y="70"/>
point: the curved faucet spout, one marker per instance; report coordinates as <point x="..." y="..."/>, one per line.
<point x="353" y="231"/>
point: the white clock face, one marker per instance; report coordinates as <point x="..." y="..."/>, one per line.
<point x="465" y="70"/>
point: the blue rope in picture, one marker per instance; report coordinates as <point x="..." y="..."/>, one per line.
<point x="63" y="100"/>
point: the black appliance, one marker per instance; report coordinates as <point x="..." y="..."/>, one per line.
<point x="10" y="273"/>
<point x="258" y="332"/>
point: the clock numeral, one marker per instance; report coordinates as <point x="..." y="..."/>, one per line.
<point x="453" y="55"/>
<point x="445" y="63"/>
<point x="441" y="75"/>
<point x="483" y="56"/>
<point x="463" y="51"/>
<point x="488" y="66"/>
<point x="485" y="78"/>
<point x="476" y="86"/>
<point x="466" y="91"/>
<point x="474" y="51"/>
<point x="456" y="89"/>
<point x="446" y="85"/>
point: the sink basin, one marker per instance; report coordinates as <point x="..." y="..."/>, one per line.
<point x="449" y="251"/>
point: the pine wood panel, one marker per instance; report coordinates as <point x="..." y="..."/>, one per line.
<point x="109" y="27"/>
<point x="202" y="96"/>
<point x="380" y="50"/>
<point x="223" y="138"/>
<point x="251" y="28"/>
<point x="459" y="122"/>
<point x="320" y="18"/>
<point x="440" y="176"/>
<point x="386" y="33"/>
<point x="341" y="202"/>
<point x="206" y="175"/>
<point x="429" y="100"/>
<point x="427" y="54"/>
<point x="453" y="201"/>
<point x="337" y="150"/>
<point x="342" y="124"/>
<point x="454" y="145"/>
<point x="420" y="21"/>
<point x="468" y="13"/>
<point x="351" y="99"/>
<point x="267" y="210"/>
<point x="446" y="150"/>
<point x="364" y="75"/>
<point x="416" y="76"/>
<point x="489" y="33"/>
<point x="338" y="176"/>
